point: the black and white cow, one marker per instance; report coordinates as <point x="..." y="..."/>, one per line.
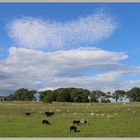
<point x="80" y="122"/>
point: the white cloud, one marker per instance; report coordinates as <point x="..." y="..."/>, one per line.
<point x="37" y="33"/>
<point x="65" y="68"/>
<point x="30" y="67"/>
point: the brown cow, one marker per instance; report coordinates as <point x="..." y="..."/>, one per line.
<point x="109" y="117"/>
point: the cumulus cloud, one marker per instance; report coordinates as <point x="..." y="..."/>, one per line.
<point x="57" y="62"/>
<point x="64" y="68"/>
<point x="37" y="33"/>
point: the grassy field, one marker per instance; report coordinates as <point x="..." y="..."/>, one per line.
<point x="14" y="123"/>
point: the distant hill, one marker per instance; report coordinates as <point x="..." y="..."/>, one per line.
<point x="6" y="92"/>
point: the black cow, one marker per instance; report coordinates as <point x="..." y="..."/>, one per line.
<point x="76" y="122"/>
<point x="73" y="128"/>
<point x="45" y="122"/>
<point x="28" y="114"/>
<point x="48" y="114"/>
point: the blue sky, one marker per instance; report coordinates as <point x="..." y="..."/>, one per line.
<point x="51" y="45"/>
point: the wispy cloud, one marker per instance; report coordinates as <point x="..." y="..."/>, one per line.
<point x="37" y="33"/>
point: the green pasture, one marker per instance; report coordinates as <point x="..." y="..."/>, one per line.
<point x="14" y="123"/>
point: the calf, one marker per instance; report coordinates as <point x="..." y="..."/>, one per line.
<point x="73" y="128"/>
<point x="48" y="114"/>
<point x="45" y="122"/>
<point x="28" y="114"/>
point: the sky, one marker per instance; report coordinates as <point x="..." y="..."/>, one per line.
<point x="85" y="45"/>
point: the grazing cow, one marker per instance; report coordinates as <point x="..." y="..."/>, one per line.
<point x="82" y="121"/>
<point x="109" y="117"/>
<point x="73" y="128"/>
<point x="45" y="122"/>
<point x="28" y="114"/>
<point x="76" y="122"/>
<point x="48" y="114"/>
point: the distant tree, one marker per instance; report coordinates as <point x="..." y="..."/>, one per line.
<point x="79" y="95"/>
<point x="22" y="94"/>
<point x="62" y="95"/>
<point x="84" y="95"/>
<point x="74" y="95"/>
<point x="49" y="96"/>
<point x="134" y="94"/>
<point x="115" y="96"/>
<point x="105" y="100"/>
<point x="42" y="95"/>
<point x="108" y="95"/>
<point x="93" y="97"/>
<point x="118" y="95"/>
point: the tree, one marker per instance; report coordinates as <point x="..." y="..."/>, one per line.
<point x="93" y="97"/>
<point x="105" y="100"/>
<point x="79" y="95"/>
<point x="22" y="94"/>
<point x="62" y="95"/>
<point x="84" y="95"/>
<point x="118" y="95"/>
<point x="49" y="96"/>
<point x="134" y="94"/>
<point x="115" y="96"/>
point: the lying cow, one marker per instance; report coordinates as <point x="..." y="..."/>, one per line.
<point x="28" y="114"/>
<point x="73" y="128"/>
<point x="48" y="114"/>
<point x="45" y="122"/>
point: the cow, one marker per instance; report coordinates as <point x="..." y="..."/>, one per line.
<point x="76" y="122"/>
<point x="45" y="122"/>
<point x="28" y="114"/>
<point x="48" y="114"/>
<point x="73" y="128"/>
<point x="109" y="117"/>
<point x="80" y="122"/>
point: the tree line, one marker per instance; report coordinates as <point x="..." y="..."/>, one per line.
<point x="75" y="95"/>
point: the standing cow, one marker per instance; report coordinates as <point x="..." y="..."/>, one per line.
<point x="28" y="114"/>
<point x="76" y="122"/>
<point x="48" y="114"/>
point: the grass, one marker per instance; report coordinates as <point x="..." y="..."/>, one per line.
<point x="14" y="123"/>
